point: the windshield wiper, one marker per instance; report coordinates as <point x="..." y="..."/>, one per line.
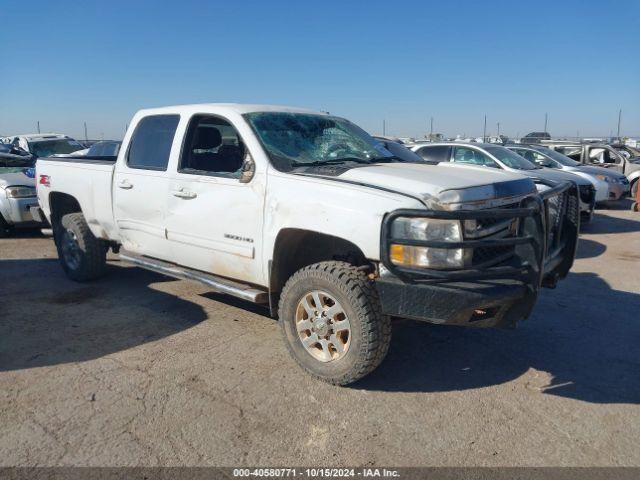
<point x="392" y="158"/>
<point x="333" y="161"/>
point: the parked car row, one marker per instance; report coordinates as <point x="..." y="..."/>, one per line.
<point x="17" y="189"/>
<point x="18" y="155"/>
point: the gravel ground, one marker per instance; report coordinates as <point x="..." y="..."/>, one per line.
<point x="138" y="369"/>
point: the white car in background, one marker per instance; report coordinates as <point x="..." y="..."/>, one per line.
<point x="608" y="184"/>
<point x="498" y="157"/>
<point x="45" y="144"/>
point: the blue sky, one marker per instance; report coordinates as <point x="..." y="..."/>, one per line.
<point x="405" y="61"/>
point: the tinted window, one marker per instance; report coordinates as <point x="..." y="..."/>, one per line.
<point x="151" y="142"/>
<point x="435" y="153"/>
<point x="402" y="152"/>
<point x="96" y="150"/>
<point x="573" y="153"/>
<point x="473" y="157"/>
<point x="510" y="159"/>
<point x="212" y="147"/>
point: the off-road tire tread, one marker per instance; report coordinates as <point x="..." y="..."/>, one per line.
<point x="364" y="299"/>
<point x="94" y="263"/>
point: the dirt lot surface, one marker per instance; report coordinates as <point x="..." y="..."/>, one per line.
<point x="138" y="369"/>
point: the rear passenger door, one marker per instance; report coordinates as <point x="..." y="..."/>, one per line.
<point x="141" y="185"/>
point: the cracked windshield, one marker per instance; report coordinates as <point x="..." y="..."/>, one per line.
<point x="302" y="140"/>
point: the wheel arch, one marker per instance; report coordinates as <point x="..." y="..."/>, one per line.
<point x="61" y="204"/>
<point x="296" y="248"/>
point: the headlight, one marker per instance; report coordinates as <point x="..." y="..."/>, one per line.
<point x="426" y="229"/>
<point x="20" y="192"/>
<point x="609" y="179"/>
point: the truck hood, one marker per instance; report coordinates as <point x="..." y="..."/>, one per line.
<point x="24" y="178"/>
<point x="445" y="185"/>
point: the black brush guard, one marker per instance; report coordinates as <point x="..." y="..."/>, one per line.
<point x="544" y="247"/>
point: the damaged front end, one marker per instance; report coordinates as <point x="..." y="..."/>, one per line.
<point x="478" y="266"/>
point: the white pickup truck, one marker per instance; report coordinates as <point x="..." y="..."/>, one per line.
<point x="306" y="213"/>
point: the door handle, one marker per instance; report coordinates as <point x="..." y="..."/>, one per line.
<point x="181" y="193"/>
<point x="125" y="184"/>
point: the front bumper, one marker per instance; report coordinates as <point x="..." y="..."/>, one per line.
<point x="496" y="295"/>
<point x="17" y="211"/>
<point x="618" y="191"/>
<point x="478" y="304"/>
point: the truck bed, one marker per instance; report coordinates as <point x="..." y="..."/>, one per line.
<point x="86" y="179"/>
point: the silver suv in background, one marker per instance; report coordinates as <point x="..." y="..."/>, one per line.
<point x="17" y="189"/>
<point x="45" y="144"/>
<point x="610" y="185"/>
<point x="497" y="156"/>
<point x="602" y="155"/>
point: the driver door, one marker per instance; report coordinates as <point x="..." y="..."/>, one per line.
<point x="214" y="220"/>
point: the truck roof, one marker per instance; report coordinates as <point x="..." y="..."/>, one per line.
<point x="35" y="137"/>
<point x="239" y="108"/>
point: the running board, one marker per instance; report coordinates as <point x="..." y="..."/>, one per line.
<point x="219" y="284"/>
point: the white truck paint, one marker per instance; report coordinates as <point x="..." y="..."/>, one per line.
<point x="267" y="226"/>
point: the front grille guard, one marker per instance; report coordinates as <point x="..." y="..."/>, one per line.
<point x="544" y="245"/>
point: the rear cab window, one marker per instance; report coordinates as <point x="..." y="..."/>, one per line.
<point x="151" y="142"/>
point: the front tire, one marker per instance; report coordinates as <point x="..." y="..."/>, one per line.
<point x="82" y="256"/>
<point x="332" y="322"/>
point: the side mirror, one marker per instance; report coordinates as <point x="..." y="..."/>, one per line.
<point x="248" y="169"/>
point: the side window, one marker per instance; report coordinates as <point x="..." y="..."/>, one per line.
<point x="212" y="147"/>
<point x="544" y="161"/>
<point x="473" y="157"/>
<point x="96" y="150"/>
<point x="436" y="153"/>
<point x="603" y="156"/>
<point x="151" y="142"/>
<point x="573" y="153"/>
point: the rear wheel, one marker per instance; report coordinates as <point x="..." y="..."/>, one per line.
<point x="332" y="322"/>
<point x="82" y="256"/>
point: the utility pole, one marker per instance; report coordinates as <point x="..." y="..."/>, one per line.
<point x="431" y="130"/>
<point x="545" y="122"/>
<point x="38" y="126"/>
<point x="498" y="129"/>
<point x="619" y="118"/>
<point x="85" y="132"/>
<point x="384" y="128"/>
<point x="484" y="130"/>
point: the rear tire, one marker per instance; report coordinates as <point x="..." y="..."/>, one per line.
<point x="5" y="229"/>
<point x="341" y="347"/>
<point x="82" y="256"/>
